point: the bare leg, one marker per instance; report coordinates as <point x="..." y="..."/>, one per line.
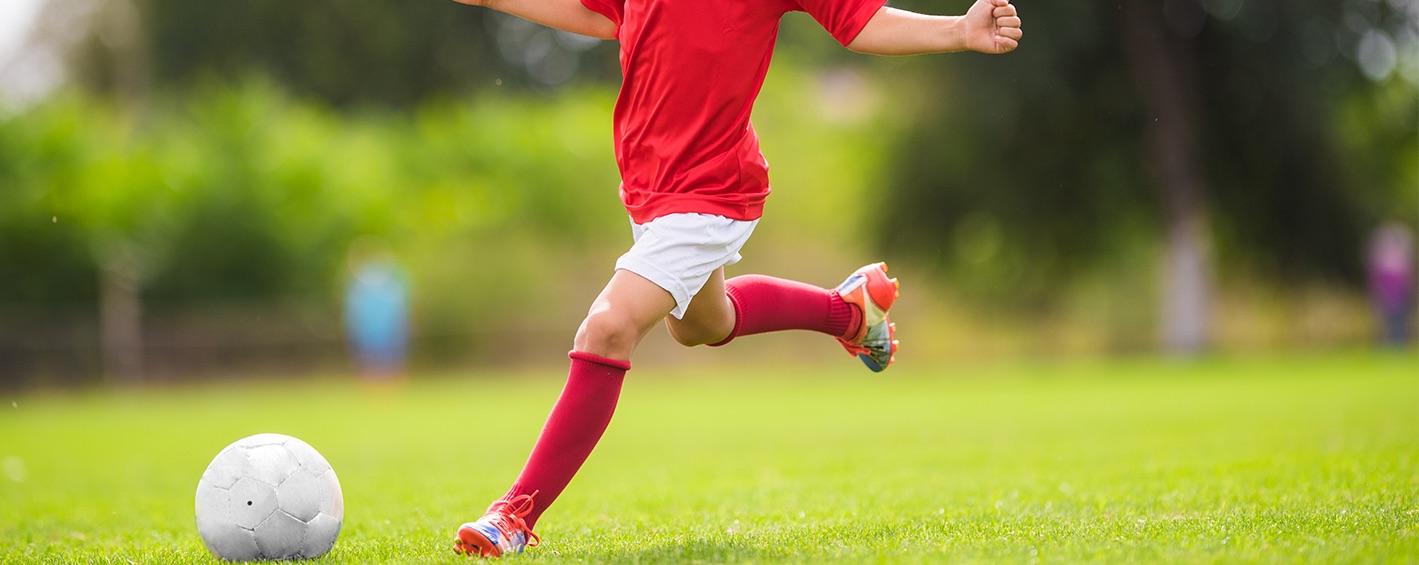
<point x="622" y="315"/>
<point x="710" y="317"/>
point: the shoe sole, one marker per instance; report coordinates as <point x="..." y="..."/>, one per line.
<point x="472" y="542"/>
<point x="872" y="363"/>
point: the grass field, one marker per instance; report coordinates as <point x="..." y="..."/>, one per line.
<point x="1308" y="458"/>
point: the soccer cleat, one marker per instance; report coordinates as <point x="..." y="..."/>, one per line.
<point x="873" y="293"/>
<point x="499" y="532"/>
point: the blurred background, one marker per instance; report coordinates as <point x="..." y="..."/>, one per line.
<point x="195" y="189"/>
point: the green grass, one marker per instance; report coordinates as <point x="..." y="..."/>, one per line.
<point x="1299" y="459"/>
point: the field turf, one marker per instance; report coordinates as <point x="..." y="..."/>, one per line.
<point x="1306" y="458"/>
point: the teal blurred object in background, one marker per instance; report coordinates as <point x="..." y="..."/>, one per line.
<point x="377" y="311"/>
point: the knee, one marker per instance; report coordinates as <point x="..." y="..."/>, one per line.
<point x="608" y="334"/>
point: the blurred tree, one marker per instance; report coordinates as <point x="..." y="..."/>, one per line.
<point x="1032" y="166"/>
<point x="341" y="52"/>
<point x="231" y="199"/>
<point x="1162" y="62"/>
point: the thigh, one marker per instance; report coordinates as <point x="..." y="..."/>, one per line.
<point x="710" y="316"/>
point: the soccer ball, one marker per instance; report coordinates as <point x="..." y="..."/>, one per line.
<point x="269" y="496"/>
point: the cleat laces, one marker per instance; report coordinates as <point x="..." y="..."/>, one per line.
<point x="512" y="514"/>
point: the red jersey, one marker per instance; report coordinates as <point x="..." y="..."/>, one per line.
<point x="691" y="71"/>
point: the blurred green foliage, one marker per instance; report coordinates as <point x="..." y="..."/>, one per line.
<point x="1033" y="168"/>
<point x="231" y="196"/>
<point x="241" y="194"/>
<point x="346" y="54"/>
<point x="225" y="157"/>
<point x="244" y="192"/>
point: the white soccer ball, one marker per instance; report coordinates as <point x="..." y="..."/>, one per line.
<point x="269" y="496"/>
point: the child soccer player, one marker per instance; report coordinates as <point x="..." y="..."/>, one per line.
<point x="694" y="183"/>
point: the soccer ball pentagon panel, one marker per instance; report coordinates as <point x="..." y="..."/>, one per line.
<point x="269" y="497"/>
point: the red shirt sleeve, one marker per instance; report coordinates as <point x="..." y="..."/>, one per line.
<point x="843" y="19"/>
<point x="614" y="10"/>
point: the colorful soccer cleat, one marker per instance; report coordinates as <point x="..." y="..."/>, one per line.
<point x="872" y="292"/>
<point x="499" y="532"/>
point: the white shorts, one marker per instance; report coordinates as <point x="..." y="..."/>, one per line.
<point x="679" y="252"/>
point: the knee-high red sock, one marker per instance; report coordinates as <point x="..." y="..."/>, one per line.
<point x="575" y="425"/>
<point x="768" y="304"/>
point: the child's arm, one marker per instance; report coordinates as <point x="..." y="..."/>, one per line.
<point x="989" y="26"/>
<point x="566" y="15"/>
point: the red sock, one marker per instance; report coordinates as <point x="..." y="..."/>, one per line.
<point x="767" y="304"/>
<point x="575" y="425"/>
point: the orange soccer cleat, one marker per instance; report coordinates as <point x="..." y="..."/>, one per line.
<point x="872" y="292"/>
<point x="500" y="531"/>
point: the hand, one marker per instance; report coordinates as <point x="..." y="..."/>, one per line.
<point x="992" y="26"/>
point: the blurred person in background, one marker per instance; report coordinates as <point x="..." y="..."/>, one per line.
<point x="1391" y="272"/>
<point x="377" y="311"/>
